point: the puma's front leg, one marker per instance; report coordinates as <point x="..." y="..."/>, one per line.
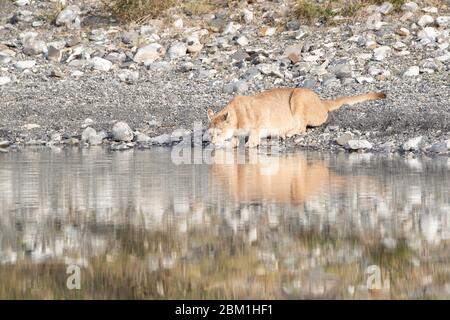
<point x="253" y="139"/>
<point x="235" y="142"/>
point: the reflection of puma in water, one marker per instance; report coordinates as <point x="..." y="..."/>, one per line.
<point x="284" y="179"/>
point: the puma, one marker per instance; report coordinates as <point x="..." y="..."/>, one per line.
<point x="286" y="179"/>
<point x="281" y="112"/>
<point x="283" y="179"/>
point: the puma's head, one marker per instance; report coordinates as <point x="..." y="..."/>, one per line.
<point x="221" y="127"/>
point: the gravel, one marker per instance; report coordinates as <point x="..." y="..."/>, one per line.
<point x="169" y="81"/>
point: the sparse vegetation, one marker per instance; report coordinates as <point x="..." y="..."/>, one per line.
<point x="51" y="16"/>
<point x="200" y="7"/>
<point x="138" y="11"/>
<point x="132" y="10"/>
<point x="324" y="11"/>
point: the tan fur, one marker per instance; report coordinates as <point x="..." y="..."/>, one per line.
<point x="290" y="179"/>
<point x="282" y="112"/>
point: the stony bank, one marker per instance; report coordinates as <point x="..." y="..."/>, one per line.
<point x="75" y="75"/>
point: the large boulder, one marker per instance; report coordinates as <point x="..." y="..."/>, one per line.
<point x="122" y="132"/>
<point x="149" y="53"/>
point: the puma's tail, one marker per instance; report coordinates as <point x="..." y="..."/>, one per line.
<point x="337" y="103"/>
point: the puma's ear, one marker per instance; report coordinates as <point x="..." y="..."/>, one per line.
<point x="210" y="114"/>
<point x="227" y="116"/>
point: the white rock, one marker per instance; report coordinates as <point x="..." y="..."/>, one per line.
<point x="385" y="8"/>
<point x="248" y="15"/>
<point x="178" y="23"/>
<point x="364" y="56"/>
<point x="121" y="131"/>
<point x="432" y="10"/>
<point x="34" y="47"/>
<point x="413" y="144"/>
<point x="444" y="57"/>
<point x="25" y="64"/>
<point x="410" y="6"/>
<point x="443" y="21"/>
<point x="403" y="32"/>
<point x="22" y="3"/>
<point x="231" y="28"/>
<point x="399" y="46"/>
<point x="427" y="35"/>
<point x="4" y="59"/>
<point x="267" y="31"/>
<point x="412" y="72"/>
<point x="363" y="79"/>
<point x="162" y="139"/>
<point x="30" y="126"/>
<point x="425" y="20"/>
<point x="177" y="50"/>
<point x="381" y="53"/>
<point x="408" y="16"/>
<point x="193" y="44"/>
<point x="149" y="53"/>
<point x="242" y="41"/>
<point x="374" y="22"/>
<point x="344" y="138"/>
<point x="358" y="145"/>
<point x="87" y="134"/>
<point x="4" y="80"/>
<point x="69" y="17"/>
<point x="143" y="138"/>
<point x="270" y="69"/>
<point x="311" y="58"/>
<point x="429" y="226"/>
<point x="77" y="73"/>
<point x="237" y="86"/>
<point x="100" y="64"/>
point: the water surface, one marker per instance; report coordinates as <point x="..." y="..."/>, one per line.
<point x="283" y="226"/>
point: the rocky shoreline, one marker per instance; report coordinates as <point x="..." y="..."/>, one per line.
<point x="86" y="80"/>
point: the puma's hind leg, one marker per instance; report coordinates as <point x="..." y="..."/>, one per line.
<point x="299" y="127"/>
<point x="296" y="131"/>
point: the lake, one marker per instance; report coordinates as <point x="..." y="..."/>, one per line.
<point x="137" y="224"/>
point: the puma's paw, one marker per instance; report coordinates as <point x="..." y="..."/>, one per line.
<point x="235" y="142"/>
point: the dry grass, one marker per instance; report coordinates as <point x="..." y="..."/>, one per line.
<point x="142" y="10"/>
<point x="198" y="8"/>
<point x="137" y="10"/>
<point x="324" y="11"/>
<point x="57" y="7"/>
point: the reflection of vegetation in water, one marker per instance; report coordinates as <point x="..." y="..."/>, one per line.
<point x="206" y="265"/>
